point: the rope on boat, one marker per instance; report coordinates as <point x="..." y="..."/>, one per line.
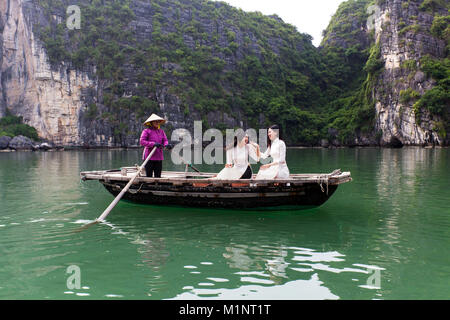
<point x="136" y="191"/>
<point x="323" y="179"/>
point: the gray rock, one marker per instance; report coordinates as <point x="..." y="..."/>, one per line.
<point x="4" y="142"/>
<point x="419" y="77"/>
<point x="45" y="146"/>
<point x="336" y="143"/>
<point x="332" y="132"/>
<point x="324" y="143"/>
<point x="21" y="143"/>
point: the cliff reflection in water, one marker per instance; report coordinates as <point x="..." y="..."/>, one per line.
<point x="47" y="182"/>
<point x="409" y="200"/>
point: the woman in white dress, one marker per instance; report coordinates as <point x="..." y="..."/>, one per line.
<point x="276" y="149"/>
<point x="238" y="166"/>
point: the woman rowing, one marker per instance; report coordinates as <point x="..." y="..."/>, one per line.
<point x="153" y="136"/>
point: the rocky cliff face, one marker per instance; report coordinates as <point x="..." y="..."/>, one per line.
<point x="49" y="100"/>
<point x="55" y="99"/>
<point x="403" y="31"/>
<point x="67" y="105"/>
<point x="2" y="26"/>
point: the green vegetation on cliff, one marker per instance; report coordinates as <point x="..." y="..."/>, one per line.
<point x="353" y="63"/>
<point x="217" y="59"/>
<point x="247" y="61"/>
<point x="437" y="99"/>
<point x="13" y="126"/>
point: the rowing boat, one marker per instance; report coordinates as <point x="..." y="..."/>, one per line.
<point x="200" y="189"/>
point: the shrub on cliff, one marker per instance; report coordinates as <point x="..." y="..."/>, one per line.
<point x="12" y="126"/>
<point x="437" y="99"/>
<point x="408" y="95"/>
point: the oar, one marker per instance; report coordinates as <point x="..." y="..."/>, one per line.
<point x="119" y="196"/>
<point x="124" y="190"/>
<point x="194" y="168"/>
<point x="189" y="165"/>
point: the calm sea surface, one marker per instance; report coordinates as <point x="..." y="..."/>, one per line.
<point x="385" y="235"/>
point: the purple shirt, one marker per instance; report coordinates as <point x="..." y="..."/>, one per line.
<point x="148" y="139"/>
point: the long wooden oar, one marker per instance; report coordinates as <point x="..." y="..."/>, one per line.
<point x="119" y="196"/>
<point x="124" y="190"/>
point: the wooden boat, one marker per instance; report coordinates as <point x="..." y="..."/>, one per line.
<point x="202" y="190"/>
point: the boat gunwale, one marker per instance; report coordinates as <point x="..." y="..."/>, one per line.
<point x="187" y="178"/>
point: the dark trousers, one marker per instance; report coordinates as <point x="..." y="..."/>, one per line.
<point x="248" y="173"/>
<point x="153" y="167"/>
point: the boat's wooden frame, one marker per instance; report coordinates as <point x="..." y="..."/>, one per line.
<point x="202" y="190"/>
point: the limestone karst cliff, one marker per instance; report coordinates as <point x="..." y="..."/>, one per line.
<point x="49" y="99"/>
<point x="403" y="31"/>
<point x="401" y="40"/>
<point x="200" y="60"/>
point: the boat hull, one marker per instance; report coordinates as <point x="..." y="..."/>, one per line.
<point x="270" y="197"/>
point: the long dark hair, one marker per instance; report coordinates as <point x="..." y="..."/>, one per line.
<point x="277" y="128"/>
<point x="237" y="138"/>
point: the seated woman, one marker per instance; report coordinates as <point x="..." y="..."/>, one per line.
<point x="237" y="166"/>
<point x="276" y="149"/>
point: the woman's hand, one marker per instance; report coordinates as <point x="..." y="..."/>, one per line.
<point x="265" y="166"/>
<point x="256" y="146"/>
<point x="228" y="166"/>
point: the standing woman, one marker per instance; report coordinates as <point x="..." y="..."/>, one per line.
<point x="276" y="149"/>
<point x="154" y="136"/>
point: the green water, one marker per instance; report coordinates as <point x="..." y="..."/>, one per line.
<point x="383" y="236"/>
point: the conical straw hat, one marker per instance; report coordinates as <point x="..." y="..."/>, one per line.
<point x="154" y="117"/>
